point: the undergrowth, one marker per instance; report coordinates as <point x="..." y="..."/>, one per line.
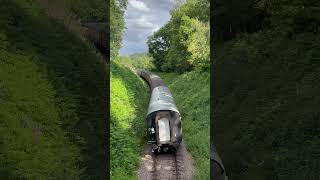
<point x="30" y="124"/>
<point x="129" y="101"/>
<point x="266" y="99"/>
<point x="191" y="92"/>
<point x="53" y="99"/>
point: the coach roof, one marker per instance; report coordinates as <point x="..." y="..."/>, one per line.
<point x="161" y="99"/>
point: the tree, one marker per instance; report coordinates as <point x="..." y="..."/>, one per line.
<point x="117" y="25"/>
<point x="170" y="45"/>
<point x="199" y="45"/>
<point x="159" y="45"/>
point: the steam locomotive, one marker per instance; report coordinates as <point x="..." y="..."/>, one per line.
<point x="98" y="34"/>
<point x="163" y="118"/>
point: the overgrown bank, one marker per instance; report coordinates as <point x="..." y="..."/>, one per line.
<point x="191" y="93"/>
<point x="265" y="88"/>
<point x="266" y="120"/>
<point x="129" y="102"/>
<point x="52" y="99"/>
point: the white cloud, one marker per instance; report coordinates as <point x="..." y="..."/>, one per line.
<point x="142" y="22"/>
<point x="143" y="18"/>
<point x="138" y="5"/>
<point x="155" y="29"/>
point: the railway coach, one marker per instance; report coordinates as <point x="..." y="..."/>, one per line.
<point x="163" y="118"/>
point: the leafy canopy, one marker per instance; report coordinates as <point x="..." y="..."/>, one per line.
<point x="183" y="43"/>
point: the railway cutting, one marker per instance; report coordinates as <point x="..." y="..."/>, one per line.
<point x="165" y="156"/>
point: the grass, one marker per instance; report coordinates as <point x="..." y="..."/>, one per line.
<point x="53" y="96"/>
<point x="266" y="115"/>
<point x="128" y="106"/>
<point x="191" y="92"/>
<point x="30" y="124"/>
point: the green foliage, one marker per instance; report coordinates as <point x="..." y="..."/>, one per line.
<point x="117" y="25"/>
<point x="32" y="143"/>
<point x="195" y="113"/>
<point x="74" y="13"/>
<point x="89" y="10"/>
<point x="290" y="17"/>
<point x="128" y="102"/>
<point x="265" y="88"/>
<point x="83" y="10"/>
<point x="173" y="46"/>
<point x="231" y="18"/>
<point x="138" y="61"/>
<point x="199" y="45"/>
<point x="266" y="120"/>
<point x="128" y="106"/>
<point x="65" y="100"/>
<point x="159" y="45"/>
<point x="197" y="9"/>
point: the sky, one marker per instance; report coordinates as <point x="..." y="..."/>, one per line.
<point x="142" y="18"/>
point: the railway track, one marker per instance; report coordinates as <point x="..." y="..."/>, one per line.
<point x="166" y="166"/>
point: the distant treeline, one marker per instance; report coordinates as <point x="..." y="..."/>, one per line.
<point x="183" y="43"/>
<point x="138" y="60"/>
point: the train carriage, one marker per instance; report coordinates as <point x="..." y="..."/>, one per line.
<point x="163" y="118"/>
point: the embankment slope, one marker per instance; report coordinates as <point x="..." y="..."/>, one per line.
<point x="53" y="99"/>
<point x="266" y="99"/>
<point x="129" y="102"/>
<point x="191" y="92"/>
